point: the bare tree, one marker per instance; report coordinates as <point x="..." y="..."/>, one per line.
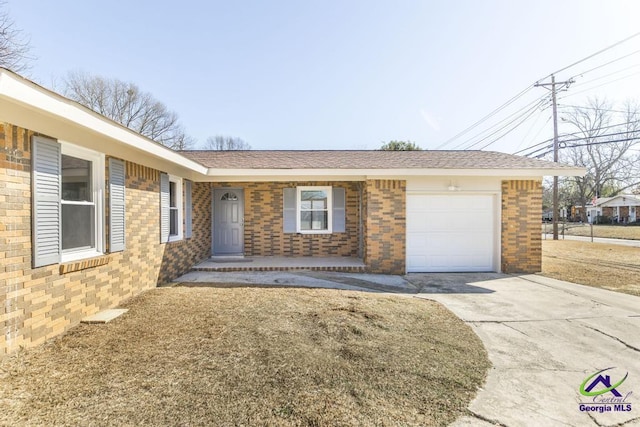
<point x="604" y="143"/>
<point x="126" y="104"/>
<point x="220" y="142"/>
<point x="14" y="47"/>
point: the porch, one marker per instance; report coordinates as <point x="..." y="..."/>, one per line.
<point x="282" y="263"/>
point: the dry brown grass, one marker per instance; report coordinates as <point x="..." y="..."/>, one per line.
<point x="249" y="356"/>
<point x="631" y="232"/>
<point x="613" y="267"/>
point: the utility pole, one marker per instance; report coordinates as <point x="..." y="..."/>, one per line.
<point x="556" y="210"/>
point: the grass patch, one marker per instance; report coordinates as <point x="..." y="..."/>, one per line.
<point x="613" y="267"/>
<point x="250" y="356"/>
<point x="630" y="232"/>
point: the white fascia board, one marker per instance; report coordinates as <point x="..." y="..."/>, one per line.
<point x="361" y="174"/>
<point x="20" y="91"/>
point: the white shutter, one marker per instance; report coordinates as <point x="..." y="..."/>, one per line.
<point x="289" y="220"/>
<point x="188" y="208"/>
<point x="116" y="205"/>
<point x="46" y="190"/>
<point x="164" y="208"/>
<point x="339" y="210"/>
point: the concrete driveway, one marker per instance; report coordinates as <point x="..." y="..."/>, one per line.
<point x="544" y="338"/>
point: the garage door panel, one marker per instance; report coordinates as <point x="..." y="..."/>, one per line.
<point x="448" y="233"/>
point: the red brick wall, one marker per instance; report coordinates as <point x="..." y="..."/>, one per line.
<point x="521" y="236"/>
<point x="40" y="303"/>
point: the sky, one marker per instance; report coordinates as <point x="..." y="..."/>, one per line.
<point x="348" y="74"/>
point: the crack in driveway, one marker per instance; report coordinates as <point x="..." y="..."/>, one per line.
<point x="614" y="337"/>
<point x="485" y="419"/>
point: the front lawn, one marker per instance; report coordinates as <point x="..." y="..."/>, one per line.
<point x="251" y="356"/>
<point x="613" y="267"/>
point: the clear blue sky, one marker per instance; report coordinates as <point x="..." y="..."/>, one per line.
<point x="339" y="74"/>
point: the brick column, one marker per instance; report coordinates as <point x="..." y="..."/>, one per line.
<point x="385" y="226"/>
<point x="521" y="232"/>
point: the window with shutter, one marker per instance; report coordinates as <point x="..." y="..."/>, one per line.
<point x="171" y="227"/>
<point x="68" y="211"/>
<point x="46" y="201"/>
<point x="164" y="208"/>
<point x="188" y="210"/>
<point x="116" y="205"/>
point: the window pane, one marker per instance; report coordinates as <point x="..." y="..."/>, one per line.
<point x="78" y="228"/>
<point x="173" y="222"/>
<point x="305" y="220"/>
<point x="314" y="220"/>
<point x="172" y="194"/>
<point x="76" y="179"/>
<point x="319" y="204"/>
<point x="319" y="220"/>
<point x="313" y="195"/>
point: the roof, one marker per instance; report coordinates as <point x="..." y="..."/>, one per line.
<point x="627" y="200"/>
<point x="366" y="159"/>
<point x="26" y="104"/>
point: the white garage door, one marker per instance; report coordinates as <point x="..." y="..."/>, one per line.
<point x="451" y="233"/>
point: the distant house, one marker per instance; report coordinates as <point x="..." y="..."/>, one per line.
<point x="623" y="208"/>
<point x="93" y="213"/>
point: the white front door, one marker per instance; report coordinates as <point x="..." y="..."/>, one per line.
<point x="450" y="233"/>
<point x="632" y="214"/>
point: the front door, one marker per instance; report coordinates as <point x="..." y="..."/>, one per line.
<point x="228" y="221"/>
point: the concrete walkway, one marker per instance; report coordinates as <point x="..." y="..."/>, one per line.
<point x="302" y="279"/>
<point x="544" y="337"/>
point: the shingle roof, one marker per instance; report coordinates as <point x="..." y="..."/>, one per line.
<point x="359" y="159"/>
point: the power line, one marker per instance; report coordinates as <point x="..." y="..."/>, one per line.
<point x="601" y="142"/>
<point x="538" y="102"/>
<point x="592" y="108"/>
<point x="488" y="116"/>
<point x="546" y="141"/>
<point x="510" y="130"/>
<point x="607" y="63"/>
<point x="543" y="154"/>
<point x="526" y="135"/>
<point x="607" y="75"/>
<point x="600" y="136"/>
<point x="604" y="127"/>
<point x="603" y="84"/>
<point x="594" y="54"/>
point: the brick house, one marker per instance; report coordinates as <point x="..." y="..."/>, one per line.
<point x="623" y="208"/>
<point x="93" y="213"/>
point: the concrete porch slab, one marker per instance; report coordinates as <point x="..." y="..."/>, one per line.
<point x="343" y="264"/>
<point x="105" y="316"/>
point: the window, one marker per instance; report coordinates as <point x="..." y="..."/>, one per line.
<point x="81" y="174"/>
<point x="175" y="208"/>
<point x="314" y="209"/>
<point x="231" y="197"/>
<point x="68" y="207"/>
